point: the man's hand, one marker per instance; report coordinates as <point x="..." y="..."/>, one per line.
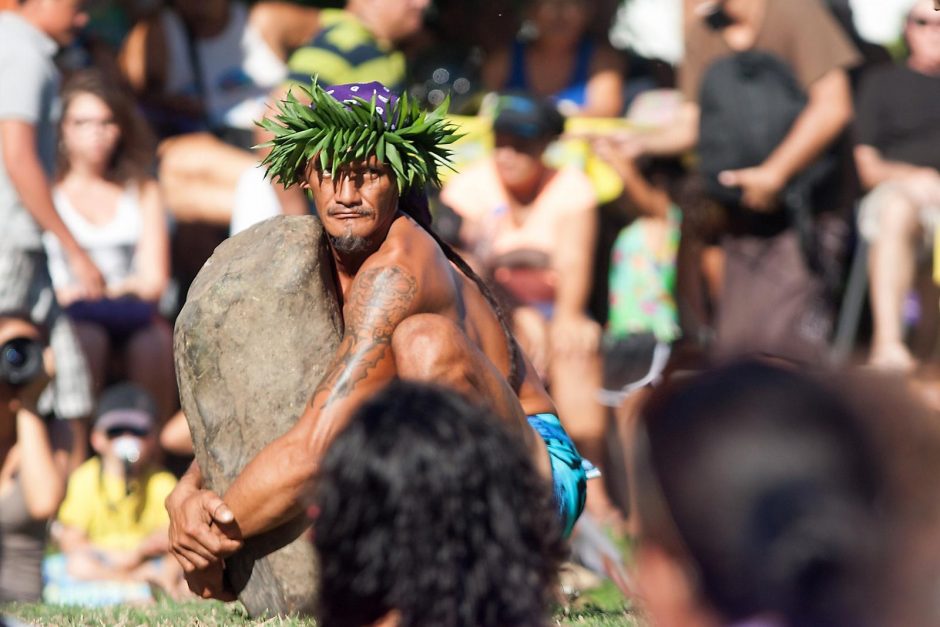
<point x="923" y="187"/>
<point x="574" y="335"/>
<point x="209" y="583"/>
<point x="203" y="530"/>
<point x="760" y="186"/>
<point x="86" y="273"/>
<point x="531" y="332"/>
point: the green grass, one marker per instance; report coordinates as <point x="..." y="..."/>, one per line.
<point x="603" y="607"/>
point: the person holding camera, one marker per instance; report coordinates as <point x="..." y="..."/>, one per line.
<point x="32" y="466"/>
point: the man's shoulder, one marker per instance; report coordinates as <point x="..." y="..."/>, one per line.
<point x="887" y="82"/>
<point x="407" y="246"/>
<point x="23" y="39"/>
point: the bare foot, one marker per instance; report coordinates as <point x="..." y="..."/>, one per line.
<point x="892" y="356"/>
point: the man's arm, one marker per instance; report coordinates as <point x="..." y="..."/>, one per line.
<point x="874" y="169"/>
<point x="678" y="137"/>
<point x="826" y="114"/>
<point x="269" y="490"/>
<point x="18" y="142"/>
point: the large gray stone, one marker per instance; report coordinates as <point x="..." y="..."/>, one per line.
<point x="252" y="342"/>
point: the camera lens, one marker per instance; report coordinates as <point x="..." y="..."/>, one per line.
<point x="20" y="360"/>
<point x="14" y="356"/>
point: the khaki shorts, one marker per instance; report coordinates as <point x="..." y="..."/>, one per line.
<point x="877" y="201"/>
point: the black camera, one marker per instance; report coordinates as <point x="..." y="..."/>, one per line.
<point x="20" y="361"/>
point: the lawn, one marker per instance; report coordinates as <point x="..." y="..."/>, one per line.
<point x="601" y="608"/>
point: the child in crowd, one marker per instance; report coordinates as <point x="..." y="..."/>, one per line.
<point x="112" y="526"/>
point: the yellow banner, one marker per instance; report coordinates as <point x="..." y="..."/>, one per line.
<point x="571" y="151"/>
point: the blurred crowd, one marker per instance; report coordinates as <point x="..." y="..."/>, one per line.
<point x="663" y="187"/>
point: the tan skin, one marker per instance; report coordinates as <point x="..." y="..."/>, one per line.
<point x="409" y="313"/>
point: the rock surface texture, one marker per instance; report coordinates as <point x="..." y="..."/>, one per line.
<point x="259" y="327"/>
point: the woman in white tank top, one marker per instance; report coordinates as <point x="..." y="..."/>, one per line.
<point x="111" y="203"/>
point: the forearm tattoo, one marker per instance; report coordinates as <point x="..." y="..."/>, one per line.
<point x="378" y="300"/>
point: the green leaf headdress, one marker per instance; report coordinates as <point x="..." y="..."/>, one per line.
<point x="350" y="123"/>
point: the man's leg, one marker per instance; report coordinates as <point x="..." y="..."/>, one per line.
<point x="432" y="349"/>
<point x="891" y="266"/>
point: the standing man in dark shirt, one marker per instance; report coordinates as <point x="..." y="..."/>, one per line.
<point x="899" y="162"/>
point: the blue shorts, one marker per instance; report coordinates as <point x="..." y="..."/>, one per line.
<point x="569" y="470"/>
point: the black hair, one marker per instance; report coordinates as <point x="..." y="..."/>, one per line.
<point x="429" y="507"/>
<point x="768" y="484"/>
<point x="414" y="202"/>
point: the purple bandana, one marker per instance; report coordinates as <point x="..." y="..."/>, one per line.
<point x="347" y="94"/>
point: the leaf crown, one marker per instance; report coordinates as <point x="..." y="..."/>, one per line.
<point x="412" y="142"/>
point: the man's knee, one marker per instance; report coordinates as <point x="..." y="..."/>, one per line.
<point x="896" y="208"/>
<point x="428" y="346"/>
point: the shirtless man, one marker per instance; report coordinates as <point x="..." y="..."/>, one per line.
<point x="412" y="309"/>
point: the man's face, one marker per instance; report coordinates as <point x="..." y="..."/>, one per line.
<point x="60" y="19"/>
<point x="923" y="31"/>
<point x="357" y="206"/>
<point x="399" y="18"/>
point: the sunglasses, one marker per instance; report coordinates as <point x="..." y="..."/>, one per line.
<point x="116" y="432"/>
<point x="923" y="21"/>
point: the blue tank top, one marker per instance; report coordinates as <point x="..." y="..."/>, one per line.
<point x="574" y="92"/>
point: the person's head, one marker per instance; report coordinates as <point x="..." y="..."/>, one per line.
<point x="390" y="20"/>
<point x="59" y="19"/>
<point x="758" y="495"/>
<point x="561" y="23"/>
<point x="100" y="130"/>
<point x="428" y="509"/>
<point x="922" y="33"/>
<point x="364" y="154"/>
<point x="124" y="432"/>
<point x="524" y="127"/>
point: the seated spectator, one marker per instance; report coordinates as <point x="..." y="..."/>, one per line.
<point x="106" y="197"/>
<point x="643" y="319"/>
<point x="112" y="526"/>
<point x="428" y="513"/>
<point x="563" y="61"/>
<point x="357" y="44"/>
<point x="33" y="462"/>
<point x="202" y="66"/>
<point x="203" y="71"/>
<point x="532" y="228"/>
<point x="898" y="133"/>
<point x="794" y="526"/>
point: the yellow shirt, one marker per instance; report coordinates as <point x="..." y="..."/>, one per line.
<point x="100" y="506"/>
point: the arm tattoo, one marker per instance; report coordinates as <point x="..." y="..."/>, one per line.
<point x="378" y="300"/>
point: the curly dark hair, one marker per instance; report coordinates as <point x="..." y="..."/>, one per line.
<point x="429" y="507"/>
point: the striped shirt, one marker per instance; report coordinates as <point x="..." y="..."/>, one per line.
<point x="344" y="51"/>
